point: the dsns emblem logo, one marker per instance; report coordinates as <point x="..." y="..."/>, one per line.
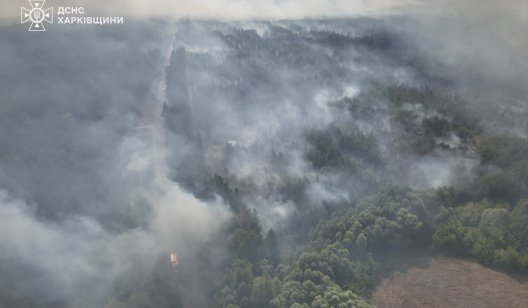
<point x="37" y="15"/>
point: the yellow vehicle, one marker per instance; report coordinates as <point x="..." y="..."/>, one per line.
<point x="174" y="261"/>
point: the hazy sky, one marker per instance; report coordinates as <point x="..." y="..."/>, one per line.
<point x="225" y="9"/>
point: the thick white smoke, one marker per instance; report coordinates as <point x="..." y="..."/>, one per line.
<point x="80" y="254"/>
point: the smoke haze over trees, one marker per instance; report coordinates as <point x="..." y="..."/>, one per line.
<point x="285" y="160"/>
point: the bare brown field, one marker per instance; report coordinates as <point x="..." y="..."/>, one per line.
<point x="449" y="282"/>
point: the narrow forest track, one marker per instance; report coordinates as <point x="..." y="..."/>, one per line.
<point x="151" y="120"/>
<point x="449" y="282"/>
<point x="186" y="285"/>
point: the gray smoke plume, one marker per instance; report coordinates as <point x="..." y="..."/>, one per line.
<point x="119" y="145"/>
